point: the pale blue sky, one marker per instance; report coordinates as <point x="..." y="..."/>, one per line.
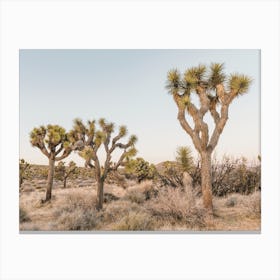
<point x="128" y="87"/>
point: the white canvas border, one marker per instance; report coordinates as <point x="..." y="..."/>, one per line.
<point x="124" y="24"/>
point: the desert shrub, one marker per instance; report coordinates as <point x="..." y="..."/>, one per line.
<point x="137" y="221"/>
<point x="23" y="216"/>
<point x="175" y="205"/>
<point x="231" y="176"/>
<point x="109" y="197"/>
<point x="135" y="196"/>
<point x="78" y="213"/>
<point x="231" y="201"/>
<point x="252" y="204"/>
<point x="86" y="173"/>
<point x="80" y="219"/>
<point x="116" y="210"/>
<point x="115" y="177"/>
<point x="249" y="205"/>
<point x="140" y="169"/>
<point x="141" y="192"/>
<point x="41" y="172"/>
<point x="170" y="173"/>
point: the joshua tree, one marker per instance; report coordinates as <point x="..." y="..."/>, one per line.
<point x="63" y="172"/>
<point x="54" y="144"/>
<point x="184" y="158"/>
<point x="215" y="92"/>
<point x="24" y="169"/>
<point x="140" y="168"/>
<point x="92" y="139"/>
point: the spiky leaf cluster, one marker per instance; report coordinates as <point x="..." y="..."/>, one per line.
<point x="93" y="139"/>
<point x="216" y="75"/>
<point x="208" y="78"/>
<point x="184" y="158"/>
<point x="239" y="83"/>
<point x="49" y="137"/>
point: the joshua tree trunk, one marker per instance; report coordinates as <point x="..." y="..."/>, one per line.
<point x="50" y="179"/>
<point x="64" y="182"/>
<point x="100" y="186"/>
<point x="206" y="181"/>
<point x="20" y="182"/>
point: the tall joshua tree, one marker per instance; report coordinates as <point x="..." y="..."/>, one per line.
<point x="215" y="92"/>
<point x="92" y="139"/>
<point x="54" y="144"/>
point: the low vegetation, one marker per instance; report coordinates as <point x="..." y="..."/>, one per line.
<point x="131" y="206"/>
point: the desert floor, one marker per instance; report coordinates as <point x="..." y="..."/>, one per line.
<point x="133" y="208"/>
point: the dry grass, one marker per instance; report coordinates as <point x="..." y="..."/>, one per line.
<point x="139" y="207"/>
<point x="77" y="213"/>
<point x="135" y="221"/>
<point x="237" y="212"/>
<point x="174" y="205"/>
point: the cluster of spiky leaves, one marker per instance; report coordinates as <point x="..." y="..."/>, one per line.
<point x="184" y="158"/>
<point x="93" y="138"/>
<point x="209" y="78"/>
<point x="50" y="137"/>
<point x="239" y="83"/>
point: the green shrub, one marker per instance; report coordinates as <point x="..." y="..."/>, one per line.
<point x="140" y="168"/>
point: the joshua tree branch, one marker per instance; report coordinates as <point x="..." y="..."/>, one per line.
<point x="59" y="150"/>
<point x="44" y="150"/>
<point x="214" y="114"/>
<point x="200" y="125"/>
<point x="183" y="122"/>
<point x="218" y="128"/>
<point x="65" y="154"/>
<point x="89" y="164"/>
<point x="204" y="101"/>
<point x="120" y="161"/>
<point x="116" y="139"/>
<point x="107" y="162"/>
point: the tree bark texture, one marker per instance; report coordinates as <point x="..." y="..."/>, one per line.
<point x="206" y="181"/>
<point x="64" y="182"/>
<point x="100" y="184"/>
<point x="50" y="179"/>
<point x="100" y="187"/>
